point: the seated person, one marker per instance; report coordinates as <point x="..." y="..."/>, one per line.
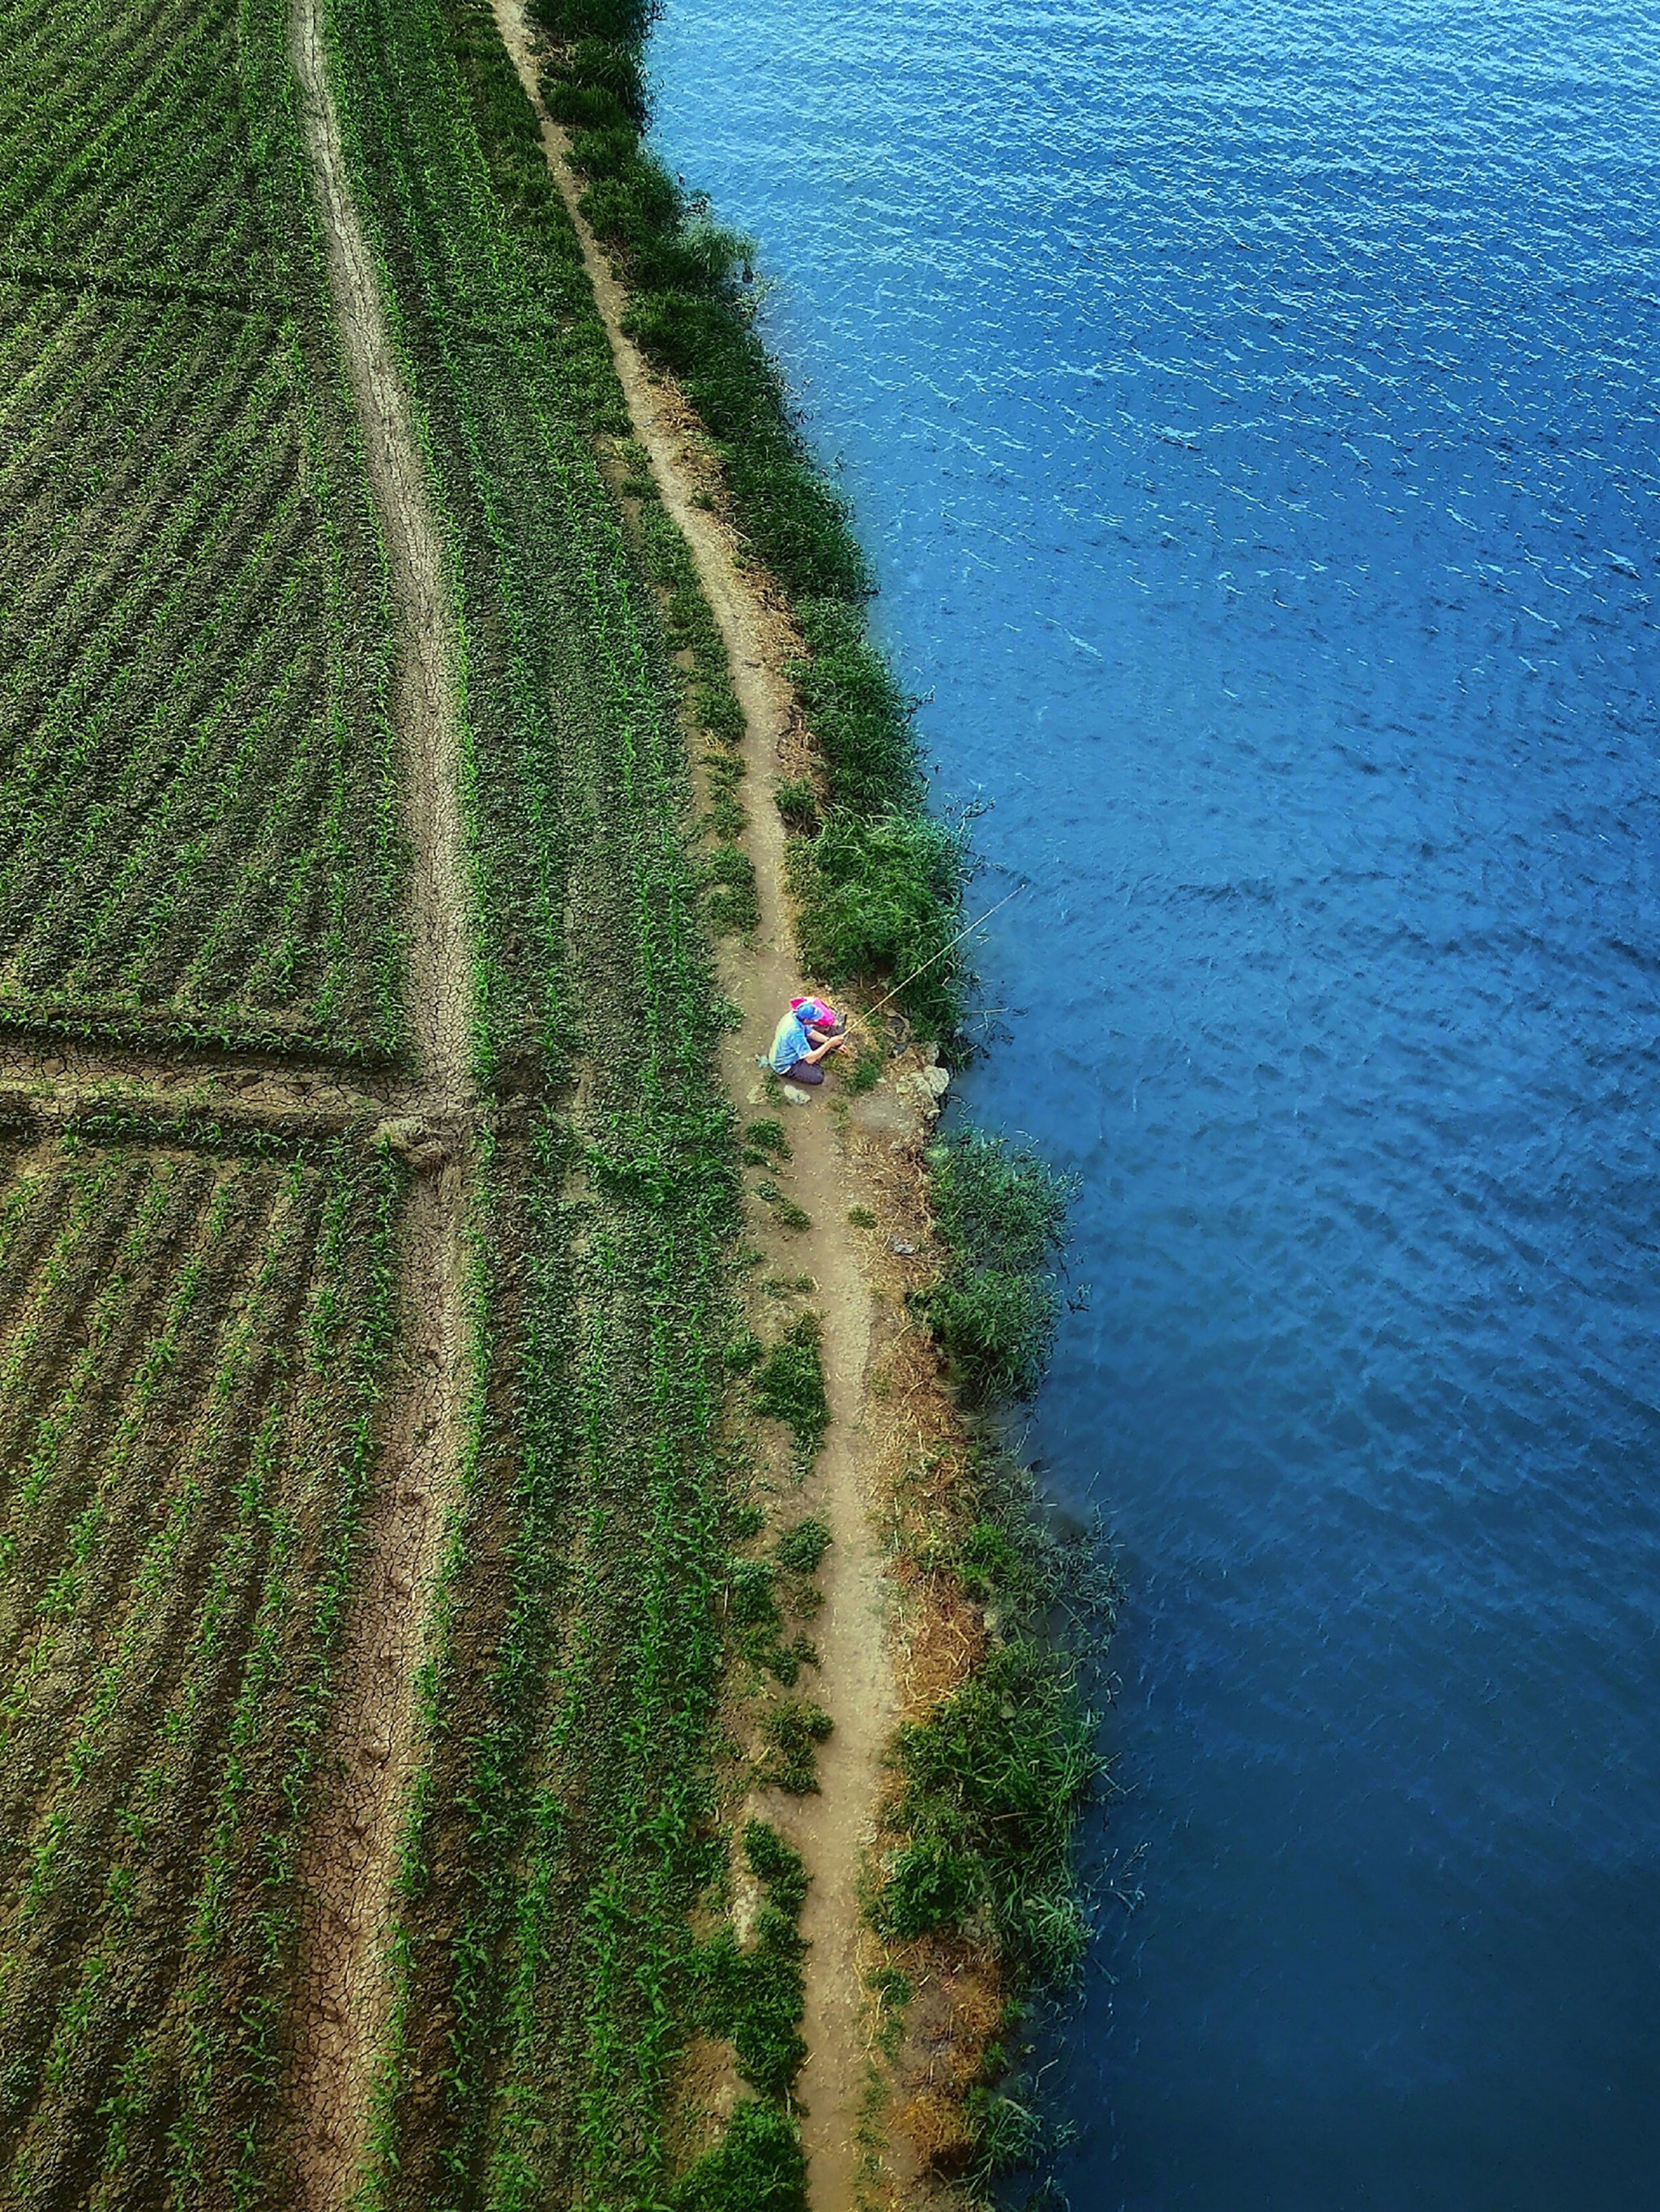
<point x="809" y="1031"/>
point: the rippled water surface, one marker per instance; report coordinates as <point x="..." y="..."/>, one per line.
<point x="1252" y="412"/>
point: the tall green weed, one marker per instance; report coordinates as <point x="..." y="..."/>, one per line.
<point x="1001" y="1211"/>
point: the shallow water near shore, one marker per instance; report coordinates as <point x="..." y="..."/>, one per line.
<point x="1251" y="413"/>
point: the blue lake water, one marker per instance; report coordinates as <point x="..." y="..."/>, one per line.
<point x="1252" y="412"/>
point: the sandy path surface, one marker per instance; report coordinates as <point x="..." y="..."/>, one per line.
<point x="350" y="1859"/>
<point x="856" y="1686"/>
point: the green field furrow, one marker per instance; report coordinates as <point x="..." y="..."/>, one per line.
<point x="100" y="794"/>
<point x="58" y="53"/>
<point x="150" y="556"/>
<point x="56" y="519"/>
<point x="54" y="74"/>
<point x="129" y="1598"/>
<point x="38" y="1340"/>
<point x="253" y="930"/>
<point x="183" y="509"/>
<point x="174" y="931"/>
<point x="94" y="473"/>
<point x="104" y="1332"/>
<point x="182" y="1674"/>
<point x="190" y="1548"/>
<point x="166" y="133"/>
<point x="282" y="920"/>
<point x="78" y="852"/>
<point x="236" y="694"/>
<point x="44" y="357"/>
<point x="199" y="818"/>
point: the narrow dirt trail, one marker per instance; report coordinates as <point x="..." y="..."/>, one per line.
<point x="856" y="1686"/>
<point x="351" y="1858"/>
<point x="63" y="1078"/>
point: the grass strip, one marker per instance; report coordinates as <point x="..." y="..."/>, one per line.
<point x="878" y="880"/>
<point x="565" y="1815"/>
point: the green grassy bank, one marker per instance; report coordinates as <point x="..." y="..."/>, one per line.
<point x="880" y="878"/>
<point x="991" y="1786"/>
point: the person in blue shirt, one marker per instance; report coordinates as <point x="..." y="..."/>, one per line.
<point x="809" y="1031"/>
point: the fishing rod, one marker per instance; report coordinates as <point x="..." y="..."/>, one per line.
<point x="943" y="950"/>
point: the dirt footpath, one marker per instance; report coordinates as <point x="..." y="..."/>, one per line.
<point x="856" y="1686"/>
<point x="350" y="1860"/>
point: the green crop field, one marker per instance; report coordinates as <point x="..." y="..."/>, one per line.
<point x="198" y="822"/>
<point x="397" y="1607"/>
<point x="545" y="1941"/>
<point x="193" y="1350"/>
<point x="203" y="845"/>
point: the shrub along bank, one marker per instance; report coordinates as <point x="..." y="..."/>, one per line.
<point x="879" y="880"/>
<point x="1000" y="1211"/>
<point x="977" y="1854"/>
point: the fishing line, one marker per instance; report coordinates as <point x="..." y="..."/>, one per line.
<point x="944" y="950"/>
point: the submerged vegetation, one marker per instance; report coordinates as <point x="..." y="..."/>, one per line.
<point x="993" y="1783"/>
<point x="976" y="1862"/>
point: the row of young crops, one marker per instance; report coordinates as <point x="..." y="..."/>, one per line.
<point x="548" y="1976"/>
<point x="195" y="1341"/>
<point x="198" y="818"/>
